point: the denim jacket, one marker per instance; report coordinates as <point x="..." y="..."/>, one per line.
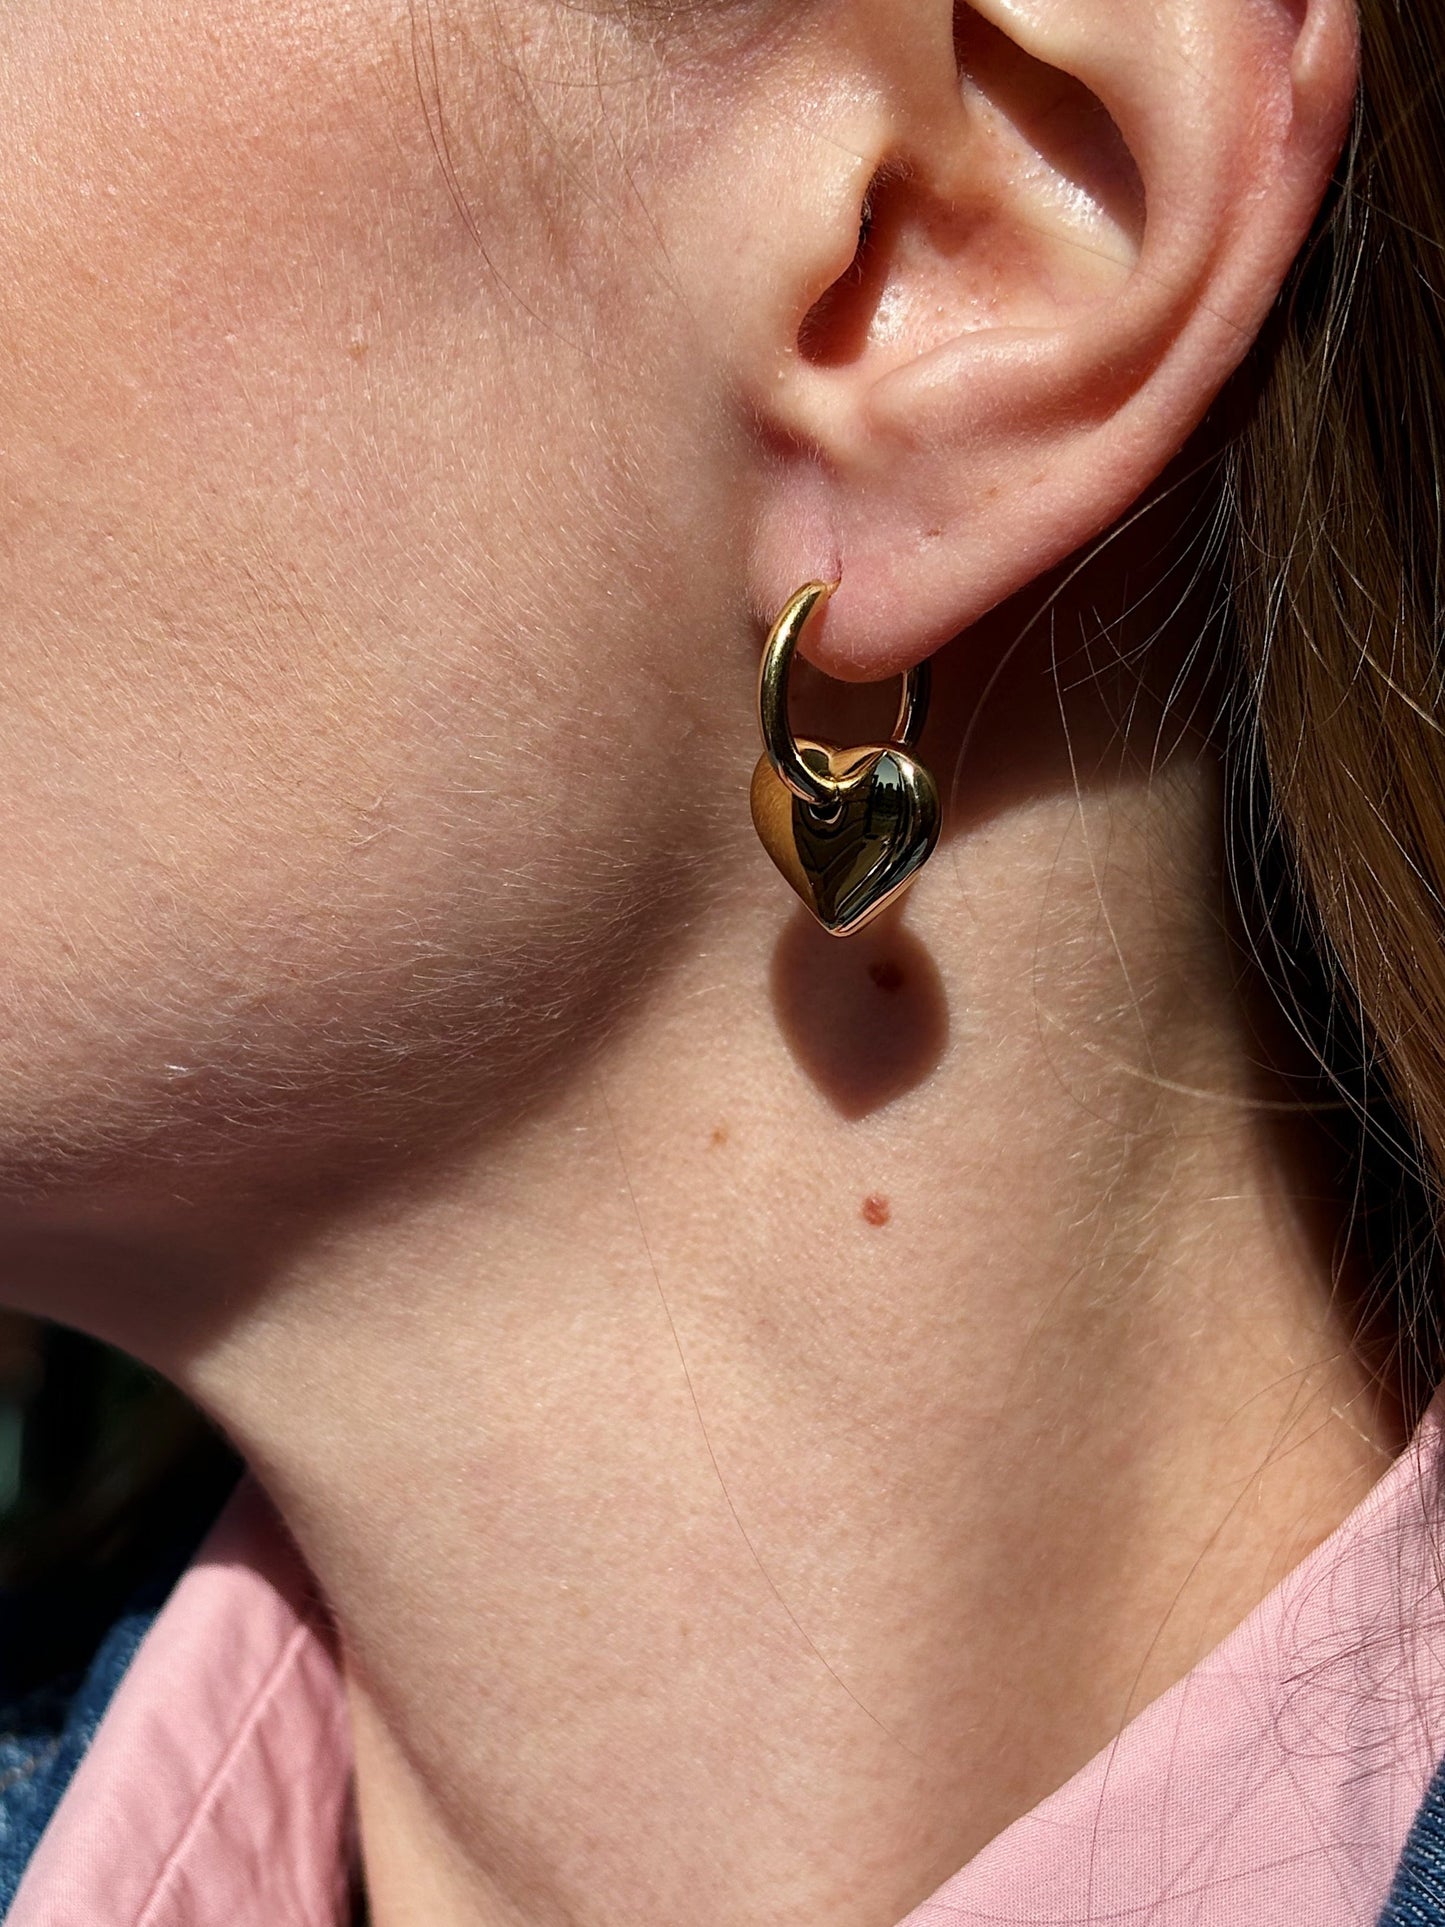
<point x="1417" y="1898"/>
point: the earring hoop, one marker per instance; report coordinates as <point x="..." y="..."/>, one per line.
<point x="848" y="828"/>
<point x="811" y="785"/>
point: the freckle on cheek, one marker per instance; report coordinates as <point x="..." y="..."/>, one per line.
<point x="876" y="1209"/>
<point x="719" y="1135"/>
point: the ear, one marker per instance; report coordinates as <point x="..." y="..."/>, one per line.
<point x="996" y="264"/>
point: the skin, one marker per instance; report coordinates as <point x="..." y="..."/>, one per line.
<point x="723" y="1380"/>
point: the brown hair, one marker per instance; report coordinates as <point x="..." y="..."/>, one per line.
<point x="1336" y="483"/>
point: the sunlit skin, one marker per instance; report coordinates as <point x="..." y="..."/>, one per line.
<point x="763" y="1410"/>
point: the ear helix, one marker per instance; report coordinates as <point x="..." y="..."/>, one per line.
<point x="848" y="828"/>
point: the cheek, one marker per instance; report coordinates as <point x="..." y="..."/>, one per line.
<point x="188" y="289"/>
<point x="279" y="447"/>
<point x="192" y="210"/>
<point x="329" y="561"/>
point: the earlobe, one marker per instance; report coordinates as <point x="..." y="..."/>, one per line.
<point x="1078" y="217"/>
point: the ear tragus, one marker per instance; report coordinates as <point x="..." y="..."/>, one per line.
<point x="836" y="328"/>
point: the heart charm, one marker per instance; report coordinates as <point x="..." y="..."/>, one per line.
<point x="849" y="863"/>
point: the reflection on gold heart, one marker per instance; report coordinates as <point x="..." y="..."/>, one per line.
<point x="848" y="865"/>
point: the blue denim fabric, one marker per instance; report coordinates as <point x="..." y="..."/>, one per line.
<point x="1417" y="1898"/>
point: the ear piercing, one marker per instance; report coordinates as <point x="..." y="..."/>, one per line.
<point x="848" y="828"/>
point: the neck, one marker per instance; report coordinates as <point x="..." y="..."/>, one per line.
<point x="870" y="1332"/>
<point x="807" y="1439"/>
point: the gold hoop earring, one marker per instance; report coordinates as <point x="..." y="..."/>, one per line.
<point x="848" y="828"/>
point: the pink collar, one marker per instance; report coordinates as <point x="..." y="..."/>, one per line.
<point x="1274" y="1785"/>
<point x="215" y="1793"/>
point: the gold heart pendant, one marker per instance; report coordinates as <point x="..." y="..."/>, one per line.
<point x="849" y="861"/>
<point x="848" y="828"/>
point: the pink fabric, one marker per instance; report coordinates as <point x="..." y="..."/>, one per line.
<point x="215" y="1792"/>
<point x="1274" y="1785"/>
